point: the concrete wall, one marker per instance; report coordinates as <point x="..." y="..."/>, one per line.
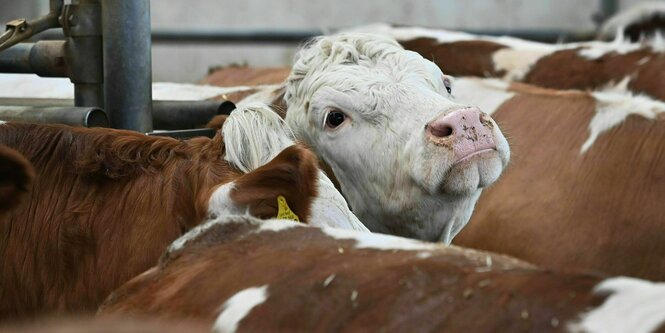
<point x="189" y="63"/>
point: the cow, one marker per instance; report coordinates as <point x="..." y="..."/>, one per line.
<point x="644" y="20"/>
<point x="570" y="197"/>
<point x="584" y="66"/>
<point x="409" y="160"/>
<point x="106" y="203"/>
<point x="246" y="274"/>
<point x="582" y="190"/>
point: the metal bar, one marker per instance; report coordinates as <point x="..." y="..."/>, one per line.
<point x="167" y="115"/>
<point x="233" y="36"/>
<point x="44" y="58"/>
<point x="127" y="63"/>
<point x="82" y="25"/>
<point x="173" y="115"/>
<point x="75" y="116"/>
<point x="268" y="37"/>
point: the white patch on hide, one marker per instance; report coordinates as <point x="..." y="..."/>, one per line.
<point x="277" y="225"/>
<point x="517" y="62"/>
<point x="633" y="305"/>
<point x="487" y="94"/>
<point x="613" y="105"/>
<point x="238" y="307"/>
<point x="379" y="241"/>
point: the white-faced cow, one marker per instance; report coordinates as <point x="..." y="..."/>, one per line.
<point x="245" y="274"/>
<point x="409" y="160"/>
<point x="584" y="66"/>
<point x="581" y="190"/>
<point x="106" y="203"/>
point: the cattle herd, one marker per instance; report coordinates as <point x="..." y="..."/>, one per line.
<point x="361" y="189"/>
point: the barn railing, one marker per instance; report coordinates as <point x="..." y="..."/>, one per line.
<point x="106" y="53"/>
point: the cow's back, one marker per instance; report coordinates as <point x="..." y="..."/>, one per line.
<point x="558" y="206"/>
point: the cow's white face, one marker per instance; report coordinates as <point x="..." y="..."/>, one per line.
<point x="409" y="160"/>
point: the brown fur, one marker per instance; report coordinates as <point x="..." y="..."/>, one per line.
<point x="106" y="325"/>
<point x="569" y="70"/>
<point x="463" y="58"/>
<point x="16" y="177"/>
<point x="564" y="69"/>
<point x="234" y="76"/>
<point x="557" y="207"/>
<point x="105" y="205"/>
<point x="453" y="290"/>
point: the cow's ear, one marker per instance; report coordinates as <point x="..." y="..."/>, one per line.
<point x="16" y="177"/>
<point x="291" y="175"/>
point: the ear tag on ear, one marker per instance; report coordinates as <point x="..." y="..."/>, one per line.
<point x="283" y="210"/>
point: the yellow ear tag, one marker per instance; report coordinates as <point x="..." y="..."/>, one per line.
<point x="283" y="210"/>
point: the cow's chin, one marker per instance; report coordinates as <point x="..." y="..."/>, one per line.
<point x="472" y="173"/>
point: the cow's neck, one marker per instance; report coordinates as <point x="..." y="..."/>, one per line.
<point x="437" y="218"/>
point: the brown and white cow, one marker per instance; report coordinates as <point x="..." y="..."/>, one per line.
<point x="584" y="66"/>
<point x="584" y="184"/>
<point x="582" y="190"/>
<point x="106" y="203"/>
<point x="245" y="274"/>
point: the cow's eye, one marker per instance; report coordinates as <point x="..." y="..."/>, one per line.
<point x="448" y="85"/>
<point x="335" y="118"/>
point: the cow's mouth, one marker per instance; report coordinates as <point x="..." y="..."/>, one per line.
<point x="474" y="155"/>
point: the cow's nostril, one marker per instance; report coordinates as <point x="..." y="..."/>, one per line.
<point x="441" y="131"/>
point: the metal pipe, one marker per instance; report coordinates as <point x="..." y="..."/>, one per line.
<point x="44" y="58"/>
<point x="82" y="25"/>
<point x="173" y="115"/>
<point x="167" y="115"/>
<point x="75" y="116"/>
<point x="127" y="63"/>
<point x="233" y="36"/>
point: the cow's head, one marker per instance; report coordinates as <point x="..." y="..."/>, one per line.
<point x="410" y="160"/>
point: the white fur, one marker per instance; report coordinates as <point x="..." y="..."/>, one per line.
<point x="632" y="15"/>
<point x="393" y="177"/>
<point x="379" y="241"/>
<point x="253" y="135"/>
<point x="238" y="307"/>
<point x="330" y="209"/>
<point x="633" y="305"/>
<point x="614" y="104"/>
<point x="487" y="94"/>
<point x="517" y="62"/>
